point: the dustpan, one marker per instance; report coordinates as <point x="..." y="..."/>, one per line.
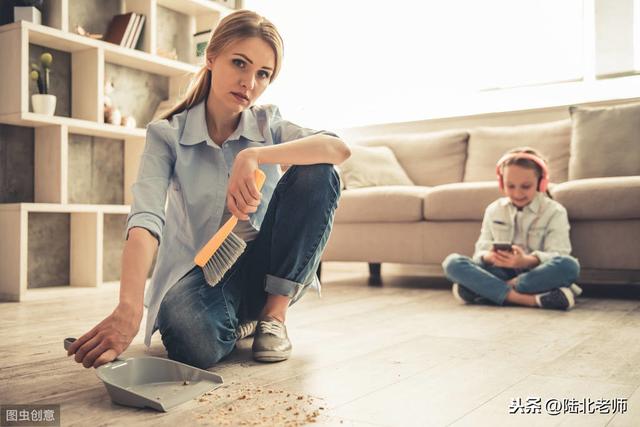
<point x="153" y="382"/>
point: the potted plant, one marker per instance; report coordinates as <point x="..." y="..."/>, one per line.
<point x="43" y="102"/>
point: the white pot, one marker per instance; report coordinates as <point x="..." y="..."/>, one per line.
<point x="44" y="104"/>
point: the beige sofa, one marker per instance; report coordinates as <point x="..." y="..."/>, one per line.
<point x="594" y="159"/>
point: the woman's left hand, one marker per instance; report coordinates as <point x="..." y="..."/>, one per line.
<point x="243" y="196"/>
<point x="516" y="258"/>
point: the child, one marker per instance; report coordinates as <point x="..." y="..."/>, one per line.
<point x="535" y="269"/>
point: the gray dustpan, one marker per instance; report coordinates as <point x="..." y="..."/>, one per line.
<point x="153" y="382"/>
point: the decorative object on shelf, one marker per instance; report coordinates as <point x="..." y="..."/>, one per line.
<point x="124" y="30"/>
<point x="200" y="41"/>
<point x="28" y="10"/>
<point x="112" y="114"/>
<point x="86" y="33"/>
<point x="169" y="54"/>
<point x="43" y="102"/>
<point x="129" y="122"/>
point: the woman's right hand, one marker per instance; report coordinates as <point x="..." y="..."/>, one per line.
<point x="108" y="339"/>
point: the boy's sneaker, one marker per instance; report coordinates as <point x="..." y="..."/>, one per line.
<point x="577" y="290"/>
<point x="557" y="299"/>
<point x="465" y="295"/>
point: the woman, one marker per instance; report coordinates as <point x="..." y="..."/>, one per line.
<point x="203" y="155"/>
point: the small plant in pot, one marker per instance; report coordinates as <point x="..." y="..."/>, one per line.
<point x="43" y="102"/>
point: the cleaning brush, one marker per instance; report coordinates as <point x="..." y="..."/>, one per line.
<point x="224" y="248"/>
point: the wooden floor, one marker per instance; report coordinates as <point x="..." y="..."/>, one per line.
<point x="403" y="354"/>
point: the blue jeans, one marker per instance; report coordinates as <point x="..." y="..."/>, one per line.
<point x="489" y="281"/>
<point x="198" y="322"/>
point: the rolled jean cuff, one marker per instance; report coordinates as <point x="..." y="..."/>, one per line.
<point x="279" y="286"/>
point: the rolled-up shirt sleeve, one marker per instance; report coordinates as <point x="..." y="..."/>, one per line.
<point x="284" y="131"/>
<point x="150" y="189"/>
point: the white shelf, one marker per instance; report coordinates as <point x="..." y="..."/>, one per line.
<point x="69" y="42"/>
<point x="77" y="126"/>
<point x="88" y="60"/>
<point x="64" y="208"/>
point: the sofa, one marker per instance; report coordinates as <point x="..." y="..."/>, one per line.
<point x="430" y="202"/>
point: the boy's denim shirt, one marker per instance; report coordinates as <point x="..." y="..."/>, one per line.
<point x="546" y="225"/>
<point x="180" y="191"/>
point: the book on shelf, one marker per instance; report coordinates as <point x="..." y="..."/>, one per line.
<point x="128" y="38"/>
<point x="137" y="32"/>
<point x="120" y="28"/>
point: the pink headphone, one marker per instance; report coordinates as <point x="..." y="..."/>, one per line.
<point x="543" y="183"/>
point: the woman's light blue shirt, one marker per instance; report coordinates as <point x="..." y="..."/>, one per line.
<point x="180" y="192"/>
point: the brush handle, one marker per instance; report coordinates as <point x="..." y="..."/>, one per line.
<point x="205" y="254"/>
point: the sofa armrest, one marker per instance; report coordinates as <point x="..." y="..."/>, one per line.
<point x="600" y="198"/>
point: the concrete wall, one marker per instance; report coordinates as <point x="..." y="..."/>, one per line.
<point x="16" y="164"/>
<point x="96" y="170"/>
<point x="48" y="249"/>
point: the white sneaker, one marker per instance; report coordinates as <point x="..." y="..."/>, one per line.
<point x="577" y="290"/>
<point x="246" y="329"/>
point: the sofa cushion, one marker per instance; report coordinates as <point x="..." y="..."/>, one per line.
<point x="372" y="166"/>
<point x="381" y="204"/>
<point x="488" y="144"/>
<point x="600" y="198"/>
<point x="460" y="201"/>
<point x="429" y="159"/>
<point x="605" y="141"/>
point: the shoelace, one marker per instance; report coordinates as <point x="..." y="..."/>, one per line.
<point x="270" y="327"/>
<point x="246" y="329"/>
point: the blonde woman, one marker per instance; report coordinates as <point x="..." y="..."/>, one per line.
<point x="201" y="158"/>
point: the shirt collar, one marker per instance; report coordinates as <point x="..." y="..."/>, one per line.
<point x="534" y="206"/>
<point x="195" y="127"/>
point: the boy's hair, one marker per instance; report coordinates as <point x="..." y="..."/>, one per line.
<point x="526" y="163"/>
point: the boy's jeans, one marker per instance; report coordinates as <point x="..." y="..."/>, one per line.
<point x="489" y="281"/>
<point x="198" y="322"/>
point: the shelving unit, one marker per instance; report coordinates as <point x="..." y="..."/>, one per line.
<point x="51" y="137"/>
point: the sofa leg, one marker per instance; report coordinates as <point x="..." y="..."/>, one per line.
<point x="319" y="271"/>
<point x="374" y="274"/>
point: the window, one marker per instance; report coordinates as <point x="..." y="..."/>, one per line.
<point x="357" y="62"/>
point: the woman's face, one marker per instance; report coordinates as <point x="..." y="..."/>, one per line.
<point x="520" y="184"/>
<point x="240" y="73"/>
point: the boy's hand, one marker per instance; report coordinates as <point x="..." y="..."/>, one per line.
<point x="516" y="258"/>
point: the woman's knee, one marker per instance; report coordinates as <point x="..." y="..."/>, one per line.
<point x="194" y="342"/>
<point x="310" y="178"/>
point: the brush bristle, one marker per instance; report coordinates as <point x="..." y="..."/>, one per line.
<point x="222" y="260"/>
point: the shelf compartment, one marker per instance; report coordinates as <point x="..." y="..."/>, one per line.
<point x="95" y="170"/>
<point x="136" y="93"/>
<point x="60" y="80"/>
<point x="16" y="164"/>
<point x="82" y="246"/>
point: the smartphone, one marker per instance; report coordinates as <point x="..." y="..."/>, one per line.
<point x="502" y="246"/>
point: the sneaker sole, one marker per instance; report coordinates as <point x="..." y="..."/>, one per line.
<point x="455" y="290"/>
<point x="570" y="297"/>
<point x="577" y="290"/>
<point x="271" y="356"/>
